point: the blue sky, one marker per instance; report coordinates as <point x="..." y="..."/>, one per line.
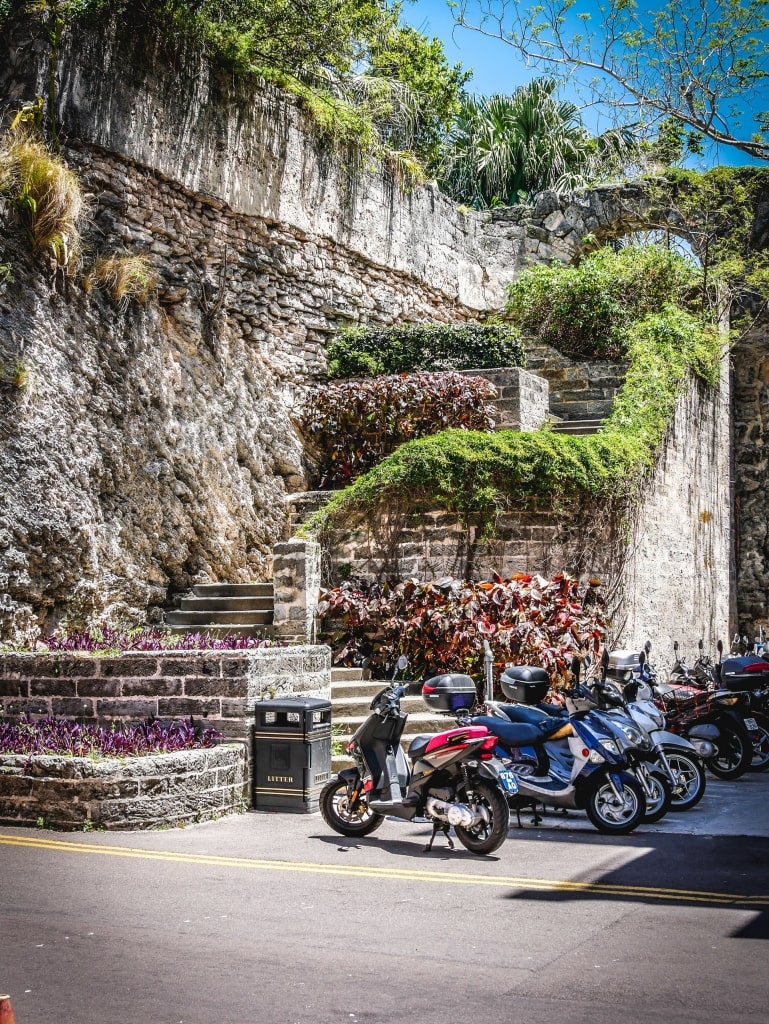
<point x="497" y="67"/>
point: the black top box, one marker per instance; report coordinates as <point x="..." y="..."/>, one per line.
<point x="449" y="693"/>
<point x="524" y="684"/>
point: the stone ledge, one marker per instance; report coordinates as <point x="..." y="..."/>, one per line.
<point x="123" y="793"/>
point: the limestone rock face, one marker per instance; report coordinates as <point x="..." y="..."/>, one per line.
<point x="134" y="457"/>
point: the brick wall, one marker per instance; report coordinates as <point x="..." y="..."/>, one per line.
<point x="218" y="688"/>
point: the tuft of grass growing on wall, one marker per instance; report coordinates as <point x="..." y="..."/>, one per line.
<point x="123" y="278"/>
<point x="46" y="194"/>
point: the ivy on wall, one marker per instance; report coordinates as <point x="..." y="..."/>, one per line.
<point x="472" y="473"/>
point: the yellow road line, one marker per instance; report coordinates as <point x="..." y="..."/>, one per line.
<point x="394" y="874"/>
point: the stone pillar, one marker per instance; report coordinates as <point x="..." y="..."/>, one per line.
<point x="296" y="582"/>
<point x="523" y="397"/>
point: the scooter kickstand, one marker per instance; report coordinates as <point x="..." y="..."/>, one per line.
<point x="439" y="826"/>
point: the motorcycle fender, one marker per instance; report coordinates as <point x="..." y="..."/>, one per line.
<point x="670" y="739"/>
<point x="349" y="776"/>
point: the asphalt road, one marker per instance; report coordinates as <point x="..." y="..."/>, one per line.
<point x="270" y="918"/>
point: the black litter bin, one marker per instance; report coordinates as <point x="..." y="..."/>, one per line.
<point x="292" y="753"/>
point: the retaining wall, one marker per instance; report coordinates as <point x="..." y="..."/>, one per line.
<point x="123" y="793"/>
<point x="217" y="688"/>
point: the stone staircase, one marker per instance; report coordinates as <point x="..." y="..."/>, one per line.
<point x="577" y="428"/>
<point x="581" y="391"/>
<point x="351" y="696"/>
<point x="244" y="609"/>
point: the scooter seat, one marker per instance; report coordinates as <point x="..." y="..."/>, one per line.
<point x="418" y="745"/>
<point x="546" y="724"/>
<point x="511" y="734"/>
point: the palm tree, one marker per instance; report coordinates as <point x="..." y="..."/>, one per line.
<point x="504" y="150"/>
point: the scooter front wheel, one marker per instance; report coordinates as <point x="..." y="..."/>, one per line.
<point x="491" y="831"/>
<point x="615" y="815"/>
<point x="345" y="809"/>
<point x="658" y="800"/>
<point x="690" y="779"/>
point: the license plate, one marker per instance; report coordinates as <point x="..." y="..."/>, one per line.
<point x="509" y="781"/>
<point x="751" y="723"/>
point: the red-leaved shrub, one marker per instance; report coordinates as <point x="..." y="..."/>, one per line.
<point x="353" y="424"/>
<point x="440" y="626"/>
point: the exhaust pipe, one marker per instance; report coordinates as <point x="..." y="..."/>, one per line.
<point x="455" y="814"/>
<point x="704" y="748"/>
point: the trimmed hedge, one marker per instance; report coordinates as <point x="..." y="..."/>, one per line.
<point x="406" y="348"/>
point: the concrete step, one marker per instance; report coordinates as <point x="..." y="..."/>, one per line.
<point x="227" y="604"/>
<point x="362" y="689"/>
<point x="209" y="618"/>
<point x="233" y="590"/>
<point x="358" y="704"/>
<point x="340" y="674"/>
<point x="230" y="629"/>
<point x="577" y="428"/>
<point x="421" y="721"/>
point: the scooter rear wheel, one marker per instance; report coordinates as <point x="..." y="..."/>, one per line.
<point x="345" y="816"/>
<point x="760" y="738"/>
<point x="611" y="816"/>
<point x="734" y="755"/>
<point x="488" y="835"/>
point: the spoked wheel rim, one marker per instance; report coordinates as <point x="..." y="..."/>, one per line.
<point x="690" y="781"/>
<point x="760" y="739"/>
<point x="733" y="756"/>
<point x="344" y="816"/>
<point x="490" y="831"/>
<point x="614" y="811"/>
<point x="613" y="814"/>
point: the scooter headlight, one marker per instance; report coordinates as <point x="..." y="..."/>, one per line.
<point x="611" y="746"/>
<point x="634" y="736"/>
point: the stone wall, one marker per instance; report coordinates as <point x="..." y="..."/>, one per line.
<point x="522" y="401"/>
<point x="218" y="688"/>
<point x="126" y="793"/>
<point x="670" y="581"/>
<point x="154" y="448"/>
<point x="751" y="433"/>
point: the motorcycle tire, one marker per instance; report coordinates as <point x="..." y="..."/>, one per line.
<point x="338" y="814"/>
<point x="760" y="738"/>
<point x="609" y="817"/>
<point x="487" y="836"/>
<point x="658" y="805"/>
<point x="734" y="755"/>
<point x="691" y="773"/>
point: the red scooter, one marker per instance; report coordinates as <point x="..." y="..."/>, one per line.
<point x="452" y="778"/>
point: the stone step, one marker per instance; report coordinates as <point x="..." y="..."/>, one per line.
<point x="341" y="674"/>
<point x="302" y="504"/>
<point x="358" y="704"/>
<point x="420" y="721"/>
<point x="209" y="618"/>
<point x="362" y="689"/>
<point x="233" y="590"/>
<point x="231" y="629"/>
<point x="227" y="604"/>
<point x="577" y="427"/>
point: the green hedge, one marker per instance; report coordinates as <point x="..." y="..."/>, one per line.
<point x="407" y="348"/>
<point x="587" y="309"/>
<point x="470" y="472"/>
